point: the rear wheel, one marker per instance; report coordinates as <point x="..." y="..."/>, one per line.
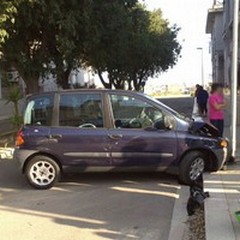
<point x="191" y="167"/>
<point x="42" y="172"/>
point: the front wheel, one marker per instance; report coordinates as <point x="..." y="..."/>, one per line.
<point x="42" y="172"/>
<point x="191" y="167"/>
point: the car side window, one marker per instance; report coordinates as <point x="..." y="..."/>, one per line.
<point x="39" y="110"/>
<point x="81" y="110"/>
<point x="130" y="112"/>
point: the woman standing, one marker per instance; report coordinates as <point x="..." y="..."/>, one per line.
<point x="217" y="104"/>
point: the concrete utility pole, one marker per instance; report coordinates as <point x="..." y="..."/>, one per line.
<point x="202" y="65"/>
<point x="0" y="87"/>
<point x="234" y="76"/>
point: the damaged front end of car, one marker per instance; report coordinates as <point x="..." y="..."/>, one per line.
<point x="204" y="129"/>
<point x="208" y="131"/>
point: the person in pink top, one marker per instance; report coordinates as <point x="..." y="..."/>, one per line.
<point x="217" y="104"/>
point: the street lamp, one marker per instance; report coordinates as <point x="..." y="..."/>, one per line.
<point x="202" y="67"/>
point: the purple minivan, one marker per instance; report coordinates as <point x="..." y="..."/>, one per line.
<point x="112" y="130"/>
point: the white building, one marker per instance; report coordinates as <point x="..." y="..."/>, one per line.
<point x="80" y="77"/>
<point x="219" y="25"/>
<point x="227" y="36"/>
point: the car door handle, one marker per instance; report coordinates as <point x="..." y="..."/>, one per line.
<point x="55" y="136"/>
<point x="115" y="136"/>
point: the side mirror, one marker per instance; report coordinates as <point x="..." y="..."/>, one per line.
<point x="159" y="124"/>
<point x="169" y="122"/>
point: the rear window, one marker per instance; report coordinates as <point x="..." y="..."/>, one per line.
<point x="39" y="110"/>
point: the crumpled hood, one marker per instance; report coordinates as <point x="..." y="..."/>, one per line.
<point x="202" y="128"/>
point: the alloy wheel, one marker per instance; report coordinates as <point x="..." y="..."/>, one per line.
<point x="42" y="173"/>
<point x="196" y="168"/>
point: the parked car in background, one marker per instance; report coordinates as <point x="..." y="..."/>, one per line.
<point x="112" y="130"/>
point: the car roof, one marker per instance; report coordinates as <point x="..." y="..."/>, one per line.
<point x="86" y="90"/>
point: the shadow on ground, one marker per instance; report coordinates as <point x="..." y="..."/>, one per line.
<point x="93" y="206"/>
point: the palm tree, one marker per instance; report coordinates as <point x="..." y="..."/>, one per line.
<point x="14" y="96"/>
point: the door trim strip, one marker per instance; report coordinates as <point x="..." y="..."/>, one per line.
<point x="88" y="154"/>
<point x="140" y="155"/>
<point x="118" y="155"/>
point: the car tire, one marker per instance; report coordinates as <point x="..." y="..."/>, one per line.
<point x="191" y="167"/>
<point x="42" y="172"/>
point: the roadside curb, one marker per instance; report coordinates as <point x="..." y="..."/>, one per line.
<point x="179" y="216"/>
<point x="218" y="222"/>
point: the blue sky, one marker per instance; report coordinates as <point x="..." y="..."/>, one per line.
<point x="190" y="16"/>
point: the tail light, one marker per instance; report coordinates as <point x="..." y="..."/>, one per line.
<point x="19" y="139"/>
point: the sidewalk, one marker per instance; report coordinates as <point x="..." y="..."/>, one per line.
<point x="224" y="189"/>
<point x="224" y="201"/>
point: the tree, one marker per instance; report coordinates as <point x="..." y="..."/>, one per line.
<point x="107" y="39"/>
<point x="154" y="46"/>
<point x="119" y="37"/>
<point x="36" y="33"/>
<point x="14" y="96"/>
<point x="133" y="44"/>
<point x="21" y="46"/>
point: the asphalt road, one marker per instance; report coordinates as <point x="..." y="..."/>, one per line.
<point x="182" y="105"/>
<point x="87" y="207"/>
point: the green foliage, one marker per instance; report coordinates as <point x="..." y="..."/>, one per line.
<point x="16" y="121"/>
<point x="119" y="37"/>
<point x="131" y="44"/>
<point x="108" y="39"/>
<point x="40" y="32"/>
<point x="14" y="96"/>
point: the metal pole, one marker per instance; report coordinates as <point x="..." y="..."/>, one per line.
<point x="0" y="87"/>
<point x="202" y="65"/>
<point x="234" y="77"/>
<point x="202" y="69"/>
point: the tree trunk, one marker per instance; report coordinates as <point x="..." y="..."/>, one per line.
<point x="105" y="84"/>
<point x="63" y="78"/>
<point x="137" y="85"/>
<point x="118" y="84"/>
<point x="32" y="84"/>
<point x="129" y="85"/>
<point x="116" y="80"/>
<point x="16" y="108"/>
